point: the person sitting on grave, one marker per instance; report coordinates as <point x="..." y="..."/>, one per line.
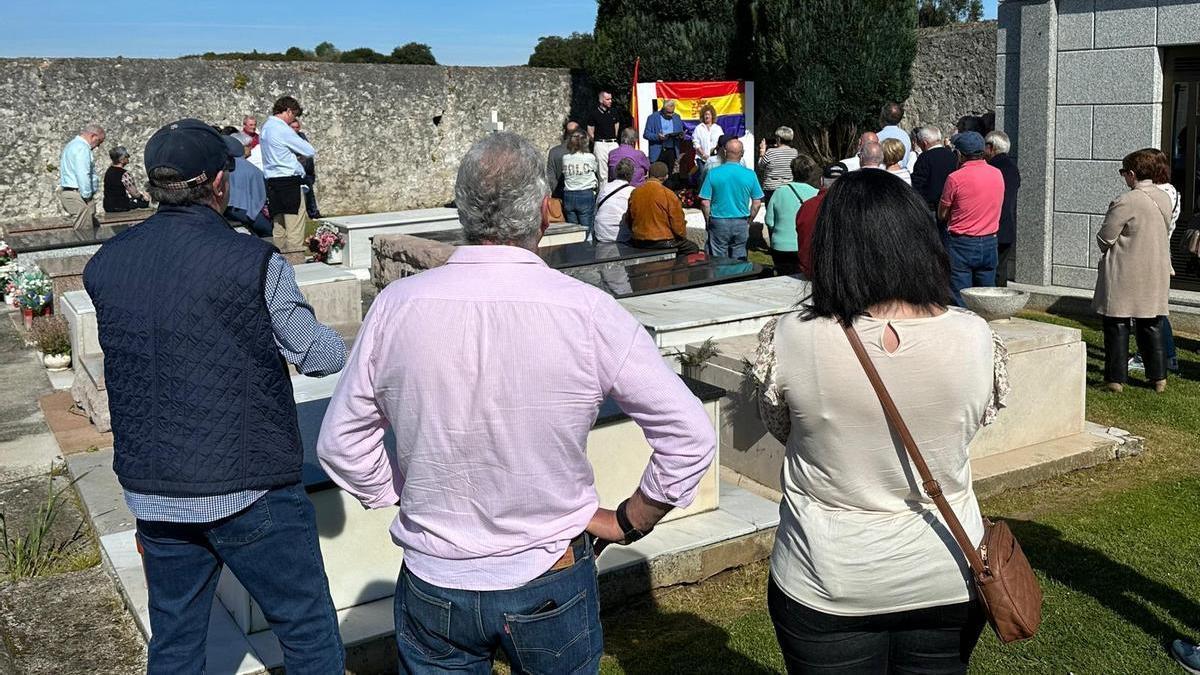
<point x="121" y="191"/>
<point x="247" y="193"/>
<point x="489" y="372"/>
<point x="629" y="150"/>
<point x="77" y="177"/>
<point x="656" y="215"/>
<point x="197" y="323"/>
<point x="612" y="206"/>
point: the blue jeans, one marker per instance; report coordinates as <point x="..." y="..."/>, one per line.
<point x="271" y="547"/>
<point x="579" y="206"/>
<point x="972" y="262"/>
<point x="727" y="237"/>
<point x="549" y="625"/>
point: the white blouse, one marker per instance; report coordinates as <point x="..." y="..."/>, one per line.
<point x="857" y="536"/>
<point x="704" y="139"/>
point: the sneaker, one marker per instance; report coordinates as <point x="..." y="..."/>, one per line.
<point x="1135" y="363"/>
<point x="1187" y="655"/>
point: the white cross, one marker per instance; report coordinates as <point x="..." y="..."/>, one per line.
<point x="496" y="125"/>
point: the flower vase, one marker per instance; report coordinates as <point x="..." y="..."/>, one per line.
<point x="56" y="362"/>
<point x="334" y="256"/>
<point x="29" y="314"/>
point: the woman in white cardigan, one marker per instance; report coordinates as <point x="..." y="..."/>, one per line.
<point x="865" y="576"/>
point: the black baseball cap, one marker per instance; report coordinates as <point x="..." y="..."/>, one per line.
<point x="835" y="170"/>
<point x="194" y="150"/>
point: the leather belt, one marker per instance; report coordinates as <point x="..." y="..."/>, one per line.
<point x="606" y="140"/>
<point x="70" y="189"/>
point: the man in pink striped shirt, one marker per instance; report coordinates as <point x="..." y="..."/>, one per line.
<point x="490" y="372"/>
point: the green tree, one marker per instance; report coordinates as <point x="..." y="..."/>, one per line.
<point x="676" y="40"/>
<point x="942" y="12"/>
<point x="297" y="54"/>
<point x="326" y="51"/>
<point x="363" y="55"/>
<point x="827" y="93"/>
<point x="414" y="53"/>
<point x="555" y="51"/>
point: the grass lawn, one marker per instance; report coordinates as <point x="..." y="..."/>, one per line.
<point x="1115" y="546"/>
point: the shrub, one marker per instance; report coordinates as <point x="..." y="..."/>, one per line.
<point x="50" y="334"/>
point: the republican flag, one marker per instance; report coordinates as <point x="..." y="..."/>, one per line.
<point x="728" y="98"/>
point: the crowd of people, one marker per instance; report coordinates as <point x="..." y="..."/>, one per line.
<point x="272" y="183"/>
<point x="490" y="370"/>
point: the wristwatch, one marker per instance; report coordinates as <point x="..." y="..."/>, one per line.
<point x="631" y="533"/>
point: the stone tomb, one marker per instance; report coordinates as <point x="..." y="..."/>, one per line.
<point x="628" y="280"/>
<point x="58" y="243"/>
<point x="1040" y="433"/>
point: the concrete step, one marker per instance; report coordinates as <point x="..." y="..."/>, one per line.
<point x="1033" y="463"/>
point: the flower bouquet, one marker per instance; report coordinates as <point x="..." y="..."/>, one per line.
<point x="688" y="197"/>
<point x="326" y="244"/>
<point x="30" y="289"/>
<point x="7" y="267"/>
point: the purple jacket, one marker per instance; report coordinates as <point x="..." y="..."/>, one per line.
<point x="641" y="165"/>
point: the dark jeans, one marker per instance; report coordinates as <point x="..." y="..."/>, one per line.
<point x="549" y="625"/>
<point x="681" y="246"/>
<point x="271" y="547"/>
<point x="1151" y="346"/>
<point x="727" y="237"/>
<point x="972" y="262"/>
<point x="579" y="206"/>
<point x="929" y="641"/>
<point x="260" y="225"/>
<point x="1004" y="263"/>
<point x="310" y="201"/>
<point x="786" y="263"/>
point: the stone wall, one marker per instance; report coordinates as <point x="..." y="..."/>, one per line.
<point x="954" y="74"/>
<point x="389" y="137"/>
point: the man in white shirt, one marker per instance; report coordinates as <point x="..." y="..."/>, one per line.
<point x="852" y="162"/>
<point x="612" y="205"/>
<point x="891" y="115"/>
<point x="285" y="174"/>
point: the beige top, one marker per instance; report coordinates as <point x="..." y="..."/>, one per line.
<point x="1134" y="279"/>
<point x="856" y="534"/>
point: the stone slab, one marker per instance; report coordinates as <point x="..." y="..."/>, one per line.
<point x="1075" y="24"/>
<point x="409" y="217"/>
<point x="582" y="254"/>
<point x="395" y="256"/>
<point x="666" y="275"/>
<point x="80" y="315"/>
<point x="1103" y="76"/>
<point x="1073" y="132"/>
<point x="1031" y="464"/>
<point x="1126" y="23"/>
<point x="1074" y="277"/>
<point x="334" y="294"/>
<point x="357" y="253"/>
<point x="700" y="307"/>
<point x="99" y="491"/>
<point x="1071" y="238"/>
<point x="1086" y="186"/>
<point x="1094" y="254"/>
<point x="1118" y="129"/>
<point x="1008" y="28"/>
<point x="62" y="239"/>
<point x="1178" y="22"/>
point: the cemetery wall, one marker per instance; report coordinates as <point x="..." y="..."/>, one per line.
<point x="388" y="136"/>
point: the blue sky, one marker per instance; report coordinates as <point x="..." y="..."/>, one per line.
<point x="461" y="32"/>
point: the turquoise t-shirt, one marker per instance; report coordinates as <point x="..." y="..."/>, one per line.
<point x="781" y="214"/>
<point x="730" y="187"/>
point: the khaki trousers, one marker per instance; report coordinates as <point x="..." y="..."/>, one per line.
<point x="82" y="211"/>
<point x="601" y="149"/>
<point x="289" y="228"/>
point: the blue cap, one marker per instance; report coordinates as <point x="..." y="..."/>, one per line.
<point x="968" y="143"/>
<point x="195" y="150"/>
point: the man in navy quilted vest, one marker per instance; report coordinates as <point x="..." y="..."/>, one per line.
<point x="196" y="322"/>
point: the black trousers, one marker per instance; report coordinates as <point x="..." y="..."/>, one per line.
<point x="1150" y="344"/>
<point x="931" y="641"/>
<point x="786" y="263"/>
<point x="1004" y="257"/>
<point x="681" y="246"/>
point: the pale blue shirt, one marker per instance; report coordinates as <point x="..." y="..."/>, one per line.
<point x="75" y="168"/>
<point x="247" y="189"/>
<point x="280" y="144"/>
<point x="899" y="134"/>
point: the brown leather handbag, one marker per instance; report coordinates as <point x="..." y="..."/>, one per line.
<point x="1006" y="585"/>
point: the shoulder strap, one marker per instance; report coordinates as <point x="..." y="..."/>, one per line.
<point x="792" y="187"/>
<point x="611" y="194"/>
<point x="931" y="487"/>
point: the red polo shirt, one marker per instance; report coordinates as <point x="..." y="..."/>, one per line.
<point x="806" y="222"/>
<point x="975" y="195"/>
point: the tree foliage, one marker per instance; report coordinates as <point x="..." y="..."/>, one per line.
<point x="411" y="53"/>
<point x="825" y="67"/>
<point x="676" y="40"/>
<point x="555" y="51"/>
<point x="943" y="12"/>
<point x="414" y="53"/>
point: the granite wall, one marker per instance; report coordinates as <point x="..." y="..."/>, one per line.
<point x="1079" y="84"/>
<point x="389" y="137"/>
<point x="954" y="74"/>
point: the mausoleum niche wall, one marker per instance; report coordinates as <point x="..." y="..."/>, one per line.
<point x="388" y="136"/>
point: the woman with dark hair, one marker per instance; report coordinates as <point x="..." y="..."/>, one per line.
<point x="1162" y="181"/>
<point x="864" y="574"/>
<point x="121" y="192"/>
<point x="1135" y="272"/>
<point x="581" y="176"/>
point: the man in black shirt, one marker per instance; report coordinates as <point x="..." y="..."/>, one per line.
<point x="995" y="149"/>
<point x="935" y="163"/>
<point x="603" y="123"/>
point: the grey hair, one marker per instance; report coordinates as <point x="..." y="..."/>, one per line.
<point x="669" y="103"/>
<point x="624" y="169"/>
<point x="929" y="134"/>
<point x="500" y="189"/>
<point x="94" y="129"/>
<point x="249" y="117"/>
<point x="871" y="154"/>
<point x="629" y="136"/>
<point x="999" y="141"/>
<point x="118" y="154"/>
<point x="785" y="135"/>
